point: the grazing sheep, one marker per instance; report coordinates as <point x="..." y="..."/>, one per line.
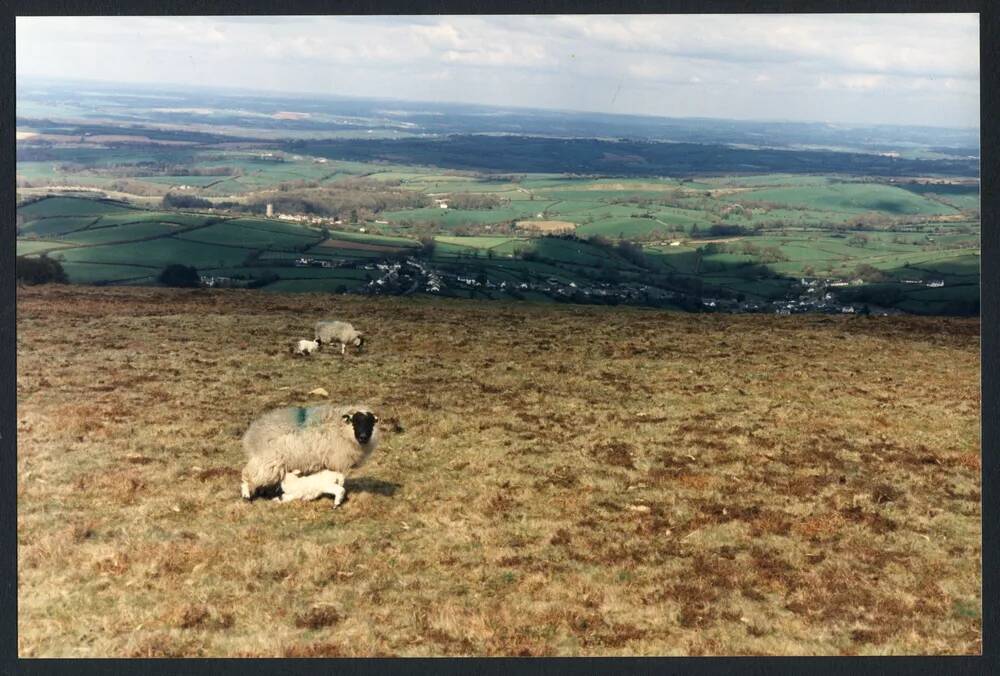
<point x="297" y="487"/>
<point x="339" y="332"/>
<point x="304" y="348"/>
<point x="337" y="438"/>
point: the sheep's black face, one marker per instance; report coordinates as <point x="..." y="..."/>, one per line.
<point x="364" y="425"/>
<point x="359" y="342"/>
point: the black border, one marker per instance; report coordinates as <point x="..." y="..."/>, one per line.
<point x="989" y="662"/>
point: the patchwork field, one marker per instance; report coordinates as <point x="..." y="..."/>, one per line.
<point x="601" y="481"/>
<point x="107" y="241"/>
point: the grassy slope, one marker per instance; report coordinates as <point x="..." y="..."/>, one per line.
<point x="600" y="481"/>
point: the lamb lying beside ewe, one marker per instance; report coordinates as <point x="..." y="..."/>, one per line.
<point x="307" y="440"/>
<point x="339" y="332"/>
<point x="298" y="487"/>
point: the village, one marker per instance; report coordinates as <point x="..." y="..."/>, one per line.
<point x="411" y="275"/>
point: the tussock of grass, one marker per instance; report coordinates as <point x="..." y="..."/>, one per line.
<point x="553" y="481"/>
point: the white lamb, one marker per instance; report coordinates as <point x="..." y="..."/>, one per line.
<point x="304" y="348"/>
<point x="308" y="439"/>
<point x="298" y="487"/>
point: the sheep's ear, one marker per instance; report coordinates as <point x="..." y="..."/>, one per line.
<point x="346" y="417"/>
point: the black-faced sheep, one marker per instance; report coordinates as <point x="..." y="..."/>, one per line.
<point x="338" y="438"/>
<point x="339" y="332"/>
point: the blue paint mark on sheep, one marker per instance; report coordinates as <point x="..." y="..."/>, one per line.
<point x="303" y="414"/>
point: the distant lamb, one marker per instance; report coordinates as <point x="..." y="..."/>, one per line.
<point x="338" y="438"/>
<point x="298" y="487"/>
<point x="339" y="332"/>
<point x="304" y="348"/>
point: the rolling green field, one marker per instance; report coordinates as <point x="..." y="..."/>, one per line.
<point x="56" y="225"/>
<point x="850" y="198"/>
<point x="70" y="206"/>
<point x="773" y="230"/>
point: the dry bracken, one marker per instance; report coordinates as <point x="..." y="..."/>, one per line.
<point x="714" y="484"/>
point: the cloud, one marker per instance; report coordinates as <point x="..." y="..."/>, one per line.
<point x="854" y="82"/>
<point x="909" y="44"/>
<point x="888" y="66"/>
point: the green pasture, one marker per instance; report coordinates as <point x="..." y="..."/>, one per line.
<point x="478" y="242"/>
<point x="94" y="273"/>
<point x="453" y="218"/>
<point x="848" y="197"/>
<point x="234" y="234"/>
<point x="56" y="225"/>
<point x="85" y="231"/>
<point x="120" y="233"/>
<point x="960" y="201"/>
<point x="766" y="180"/>
<point x="69" y="206"/>
<point x="159" y="253"/>
<point x="197" y="181"/>
<point x="172" y="217"/>
<point x="382" y="240"/>
<point x="27" y="247"/>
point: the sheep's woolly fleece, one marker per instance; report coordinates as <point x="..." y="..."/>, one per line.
<point x="307" y="439"/>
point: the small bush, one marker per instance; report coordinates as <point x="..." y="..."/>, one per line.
<point x="172" y="201"/>
<point x="176" y="274"/>
<point x="427" y="246"/>
<point x="41" y="270"/>
<point x="727" y="230"/>
<point x="633" y="253"/>
<point x="869" y="273"/>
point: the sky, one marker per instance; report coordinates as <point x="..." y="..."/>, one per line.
<point x="908" y="69"/>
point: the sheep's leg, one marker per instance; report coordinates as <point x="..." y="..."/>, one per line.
<point x="343" y="348"/>
<point x="338" y="494"/>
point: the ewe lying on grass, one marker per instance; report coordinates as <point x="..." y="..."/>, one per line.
<point x="337" y="438"/>
<point x="297" y="487"/>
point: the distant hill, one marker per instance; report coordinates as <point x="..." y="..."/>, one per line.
<point x="625" y="157"/>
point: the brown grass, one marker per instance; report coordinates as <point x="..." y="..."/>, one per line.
<point x="715" y="485"/>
